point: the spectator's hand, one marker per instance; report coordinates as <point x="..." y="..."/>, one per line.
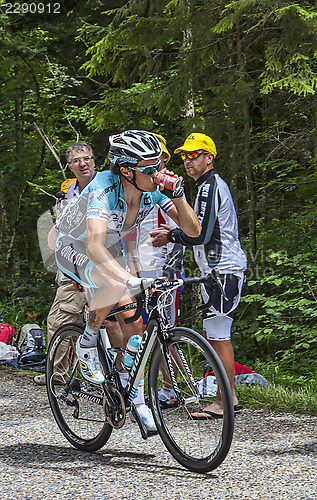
<point x="159" y="235"/>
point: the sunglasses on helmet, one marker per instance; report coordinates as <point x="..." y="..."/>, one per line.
<point x="192" y="155"/>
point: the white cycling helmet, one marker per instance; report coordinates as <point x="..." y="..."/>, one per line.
<point x="132" y="146"/>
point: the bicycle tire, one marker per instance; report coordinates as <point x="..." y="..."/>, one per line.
<point x="81" y="420"/>
<point x="199" y="445"/>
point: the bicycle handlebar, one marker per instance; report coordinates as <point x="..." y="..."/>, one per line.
<point x="211" y="278"/>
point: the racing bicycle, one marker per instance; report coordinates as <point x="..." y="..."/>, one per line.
<point x="87" y="413"/>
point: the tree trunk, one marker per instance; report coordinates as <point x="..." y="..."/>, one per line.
<point x="248" y="164"/>
<point x="252" y="258"/>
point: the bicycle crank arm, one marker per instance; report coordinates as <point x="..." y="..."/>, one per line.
<point x="109" y="396"/>
<point x="142" y="427"/>
<point x="144" y="432"/>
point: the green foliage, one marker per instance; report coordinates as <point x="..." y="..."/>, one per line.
<point x="285" y="331"/>
<point x="279" y="398"/>
<point x="39" y="87"/>
<point x="33" y="294"/>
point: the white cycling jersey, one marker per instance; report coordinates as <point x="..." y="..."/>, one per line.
<point x="153" y="258"/>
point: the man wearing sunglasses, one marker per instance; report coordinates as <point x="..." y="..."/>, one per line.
<point x="111" y="206"/>
<point x="217" y="247"/>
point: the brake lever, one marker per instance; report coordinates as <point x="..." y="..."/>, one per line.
<point x="163" y="284"/>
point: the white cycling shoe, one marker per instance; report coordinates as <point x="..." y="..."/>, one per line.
<point x="146" y="417"/>
<point x="89" y="363"/>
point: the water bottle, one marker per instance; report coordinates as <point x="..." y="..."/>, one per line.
<point x="130" y="351"/>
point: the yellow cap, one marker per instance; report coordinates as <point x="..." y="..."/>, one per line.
<point x="196" y="141"/>
<point x="66" y="184"/>
<point x="164" y="148"/>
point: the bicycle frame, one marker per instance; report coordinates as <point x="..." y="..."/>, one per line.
<point x="154" y="330"/>
<point x="157" y="328"/>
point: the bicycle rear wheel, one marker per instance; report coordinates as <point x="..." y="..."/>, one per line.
<point x="199" y="445"/>
<point x="77" y="404"/>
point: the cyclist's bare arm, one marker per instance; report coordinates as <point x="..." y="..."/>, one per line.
<point x="99" y="255"/>
<point x="51" y="238"/>
<point x="185" y="217"/>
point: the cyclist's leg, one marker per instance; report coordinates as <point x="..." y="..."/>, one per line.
<point x="115" y="336"/>
<point x="108" y="294"/>
<point x="135" y="328"/>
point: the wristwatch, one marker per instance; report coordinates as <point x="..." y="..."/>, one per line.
<point x="171" y="235"/>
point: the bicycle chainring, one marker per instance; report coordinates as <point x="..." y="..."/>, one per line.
<point x="115" y="416"/>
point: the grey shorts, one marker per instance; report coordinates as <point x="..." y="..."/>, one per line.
<point x="72" y="260"/>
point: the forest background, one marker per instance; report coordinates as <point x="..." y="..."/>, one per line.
<point x="242" y="72"/>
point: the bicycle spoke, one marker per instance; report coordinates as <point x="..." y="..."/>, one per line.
<point x="199" y="445"/>
<point x="77" y="404"/>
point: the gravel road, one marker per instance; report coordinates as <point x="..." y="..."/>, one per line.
<point x="273" y="456"/>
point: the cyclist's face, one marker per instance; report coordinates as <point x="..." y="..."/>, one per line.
<point x="146" y="181"/>
<point x="82" y="165"/>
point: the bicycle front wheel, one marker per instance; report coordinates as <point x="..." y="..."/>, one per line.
<point x="199" y="445"/>
<point x="77" y="404"/>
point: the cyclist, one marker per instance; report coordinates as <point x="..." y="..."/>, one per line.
<point x="217" y="247"/>
<point x="69" y="302"/>
<point x="112" y="205"/>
